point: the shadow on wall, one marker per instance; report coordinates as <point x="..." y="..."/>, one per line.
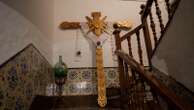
<point x="17" y="32"/>
<point x="175" y="54"/>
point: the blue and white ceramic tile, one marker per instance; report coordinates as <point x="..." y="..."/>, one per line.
<point x="23" y="77"/>
<point x="83" y="81"/>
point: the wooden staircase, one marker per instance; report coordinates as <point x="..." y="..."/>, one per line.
<point x="140" y="89"/>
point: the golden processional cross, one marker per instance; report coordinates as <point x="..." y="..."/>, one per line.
<point x="96" y="26"/>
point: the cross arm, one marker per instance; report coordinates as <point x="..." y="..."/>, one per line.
<point x="69" y="25"/>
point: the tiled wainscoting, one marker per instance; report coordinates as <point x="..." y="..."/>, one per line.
<point x="83" y="81"/>
<point x="22" y="77"/>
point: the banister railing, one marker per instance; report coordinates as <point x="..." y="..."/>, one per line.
<point x="151" y="19"/>
<point x="147" y="36"/>
<point x="127" y="36"/>
<point x="151" y="32"/>
<point x="171" y="12"/>
<point x="176" y="101"/>
<point x="131" y="32"/>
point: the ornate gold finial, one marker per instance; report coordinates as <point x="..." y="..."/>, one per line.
<point x="125" y="24"/>
<point x="96" y="25"/>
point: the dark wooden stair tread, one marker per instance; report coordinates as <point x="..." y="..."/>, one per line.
<point x="42" y="103"/>
<point x="84" y="102"/>
<point x="76" y="101"/>
<point x="69" y="102"/>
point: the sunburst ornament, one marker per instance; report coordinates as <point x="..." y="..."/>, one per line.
<point x="125" y="24"/>
<point x="96" y="25"/>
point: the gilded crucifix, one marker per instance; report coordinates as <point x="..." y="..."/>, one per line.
<point x="97" y="26"/>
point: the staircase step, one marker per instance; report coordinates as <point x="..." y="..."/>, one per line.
<point x="71" y="103"/>
<point x="113" y="92"/>
<point x="86" y="109"/>
<point x="42" y="103"/>
<point x="76" y="101"/>
<point x="87" y="102"/>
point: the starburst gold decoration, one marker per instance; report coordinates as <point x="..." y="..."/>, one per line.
<point x="96" y="25"/>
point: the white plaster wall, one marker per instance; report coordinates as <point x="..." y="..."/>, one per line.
<point x="39" y="12"/>
<point x="45" y="18"/>
<point x="16" y="32"/>
<point x="76" y="10"/>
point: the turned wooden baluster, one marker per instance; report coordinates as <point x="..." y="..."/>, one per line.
<point x="158" y="13"/>
<point x="127" y="79"/>
<point x="153" y="27"/>
<point x="139" y="92"/>
<point x="142" y="95"/>
<point x="123" y="85"/>
<point x="168" y="8"/>
<point x="139" y="48"/>
<point x="133" y="93"/>
<point x="145" y="10"/>
<point x="129" y="46"/>
<point x="134" y="104"/>
<point x="136" y="92"/>
<point x="135" y="97"/>
<point x="132" y="82"/>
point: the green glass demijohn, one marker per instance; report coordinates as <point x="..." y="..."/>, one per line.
<point x="60" y="69"/>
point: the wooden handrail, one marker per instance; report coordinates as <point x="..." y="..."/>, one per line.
<point x="154" y="82"/>
<point x="131" y="32"/>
